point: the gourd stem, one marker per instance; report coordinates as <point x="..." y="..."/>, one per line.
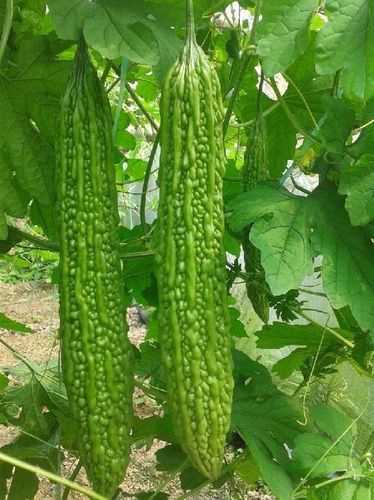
<point x="6" y="27"/>
<point x="73" y="477"/>
<point x="146" y="182"/>
<point x="50" y="475"/>
<point x="246" y="59"/>
<point x="191" y="38"/>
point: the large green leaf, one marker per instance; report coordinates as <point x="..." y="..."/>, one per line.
<point x="281" y="141"/>
<point x="336" y="125"/>
<point x="330" y="450"/>
<point x="310" y="339"/>
<point x="174" y="11"/>
<point x="357" y="182"/>
<point x="290" y="230"/>
<point x="283" y="33"/>
<point x="114" y="31"/>
<point x="30" y="90"/>
<point x="348" y="267"/>
<point x="115" y="28"/>
<point x="346" y="42"/>
<point x="267" y="420"/>
<point x="283" y="236"/>
<point x="24" y="485"/>
<point x="353" y="489"/>
<point x="68" y="16"/>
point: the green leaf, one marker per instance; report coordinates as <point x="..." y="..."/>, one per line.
<point x="365" y="142"/>
<point x="28" y="408"/>
<point x="125" y="140"/>
<point x="267" y="420"/>
<point x="24" y="485"/>
<point x="281" y="141"/>
<point x="357" y="183"/>
<point x="30" y="90"/>
<point x="290" y="230"/>
<point x="4" y="381"/>
<point x="231" y="244"/>
<point x="114" y="32"/>
<point x="5" y="474"/>
<point x="283" y="33"/>
<point x="346" y="43"/>
<point x="153" y="495"/>
<point x="353" y="489"/>
<point x="309" y="337"/>
<point x="246" y="369"/>
<point x="115" y="29"/>
<point x="147" y="429"/>
<point x="276" y="478"/>
<point x="356" y="399"/>
<point x="31" y="398"/>
<point x="247" y="470"/>
<point x="336" y="126"/>
<point x="135" y="168"/>
<point x="170" y="458"/>
<point x="285" y="251"/>
<point x="236" y="326"/>
<point x="149" y="365"/>
<point x="10" y="324"/>
<point x="190" y="478"/>
<point x="348" y="267"/>
<point x="46" y="219"/>
<point x="232" y="186"/>
<point x="174" y="11"/>
<point x="13" y="238"/>
<point x="279" y="335"/>
<point x="147" y="89"/>
<point x="68" y="17"/>
<point x="329" y="450"/>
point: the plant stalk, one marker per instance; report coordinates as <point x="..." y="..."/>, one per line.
<point x="147" y="176"/>
<point x="50" y="475"/>
<point x="6" y="28"/>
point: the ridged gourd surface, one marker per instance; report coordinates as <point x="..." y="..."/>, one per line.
<point x="96" y="355"/>
<point x="190" y="258"/>
<point x="255" y="170"/>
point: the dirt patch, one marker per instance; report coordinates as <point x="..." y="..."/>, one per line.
<point x="36" y="305"/>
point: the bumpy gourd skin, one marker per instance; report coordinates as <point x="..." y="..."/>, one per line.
<point x="255" y="170"/>
<point x="193" y="314"/>
<point x="96" y="355"/>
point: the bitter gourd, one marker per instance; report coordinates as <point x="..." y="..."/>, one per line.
<point x="193" y="313"/>
<point x="255" y="170"/>
<point x="96" y="355"/>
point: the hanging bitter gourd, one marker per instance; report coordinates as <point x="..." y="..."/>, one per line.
<point x="96" y="354"/>
<point x="193" y="313"/>
<point x="255" y="170"/>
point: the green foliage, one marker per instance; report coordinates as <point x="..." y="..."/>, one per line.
<point x="284" y="32"/>
<point x="290" y="230"/>
<point x="9" y="324"/>
<point x="343" y="45"/>
<point x="319" y="455"/>
<point x="267" y="420"/>
<point x="29" y="97"/>
<point x="133" y="35"/>
<point x="356" y="182"/>
<point x="28" y="265"/>
<point x="302" y="420"/>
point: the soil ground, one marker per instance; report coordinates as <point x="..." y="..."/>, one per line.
<point x="36" y="305"/>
